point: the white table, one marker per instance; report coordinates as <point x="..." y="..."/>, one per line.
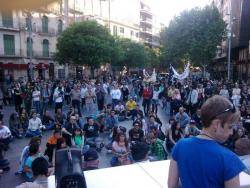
<point x="146" y="175"/>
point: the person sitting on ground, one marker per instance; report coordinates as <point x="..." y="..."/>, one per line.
<point x="182" y="117"/>
<point x="25" y="154"/>
<point x="59" y="118"/>
<point x="79" y="121"/>
<point x="91" y="161"/>
<point x="34" y="152"/>
<point x="111" y="121"/>
<point x="5" y="134"/>
<point x="139" y="152"/>
<point x="120" y="111"/>
<point x="131" y="108"/>
<point x="68" y="130"/>
<point x="40" y="170"/>
<point x="174" y="134"/>
<point x="197" y="118"/>
<point x="48" y="121"/>
<point x="152" y="123"/>
<point x="136" y="133"/>
<point x="61" y="143"/>
<point x="35" y="124"/>
<point x="137" y="111"/>
<point x="4" y="163"/>
<point x="14" y="125"/>
<point x="156" y="148"/>
<point x="51" y="144"/>
<point x="78" y="138"/>
<point x="143" y="125"/>
<point x="191" y="129"/>
<point x="91" y="132"/>
<point x="24" y="120"/>
<point x="120" y="150"/>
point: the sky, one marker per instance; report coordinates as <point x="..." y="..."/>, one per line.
<point x="165" y="10"/>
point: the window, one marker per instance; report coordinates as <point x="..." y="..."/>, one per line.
<point x="61" y="73"/>
<point x="132" y="33"/>
<point x="9" y="44"/>
<point x="28" y="23"/>
<point x="115" y="30"/>
<point x="45" y="48"/>
<point x="45" y="24"/>
<point x="29" y="47"/>
<point x="7" y="19"/>
<point x="137" y="35"/>
<point x="60" y="26"/>
<point x="122" y="30"/>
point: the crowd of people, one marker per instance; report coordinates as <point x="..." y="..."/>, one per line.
<point x="86" y="113"/>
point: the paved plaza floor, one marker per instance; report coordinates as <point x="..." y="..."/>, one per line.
<point x="10" y="180"/>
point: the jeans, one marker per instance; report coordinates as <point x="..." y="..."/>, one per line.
<point x="49" y="126"/>
<point x="31" y="133"/>
<point x="45" y="105"/>
<point x="36" y="105"/>
<point x="76" y="105"/>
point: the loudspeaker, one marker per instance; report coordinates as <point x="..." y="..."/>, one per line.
<point x="68" y="170"/>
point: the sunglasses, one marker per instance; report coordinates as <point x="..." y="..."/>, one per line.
<point x="232" y="109"/>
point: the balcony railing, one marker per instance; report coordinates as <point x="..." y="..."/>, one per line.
<point x="12" y="28"/>
<point x="147" y="20"/>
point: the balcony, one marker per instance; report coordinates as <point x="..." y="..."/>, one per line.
<point x="16" y="54"/>
<point x="9" y="28"/>
<point x="148" y="31"/>
<point x="146" y="12"/>
<point x="40" y="55"/>
<point x="51" y="32"/>
<point x="146" y="20"/>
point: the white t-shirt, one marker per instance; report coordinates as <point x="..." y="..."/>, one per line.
<point x="34" y="124"/>
<point x="4" y="132"/>
<point x="116" y="94"/>
<point x="83" y="91"/>
<point x="36" y="95"/>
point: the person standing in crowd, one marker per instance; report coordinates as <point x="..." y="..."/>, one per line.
<point x="224" y="92"/>
<point x="147" y="95"/>
<point x="236" y="95"/>
<point x="17" y="98"/>
<point x="192" y="100"/>
<point x="208" y="91"/>
<point x="75" y="95"/>
<point x="83" y="92"/>
<point x="36" y="96"/>
<point x="100" y="96"/>
<point x="14" y="125"/>
<point x="89" y="100"/>
<point x="115" y="95"/>
<point x="58" y="97"/>
<point x="46" y="94"/>
<point x="125" y="93"/>
<point x="221" y="167"/>
<point x="155" y="99"/>
<point x="67" y="94"/>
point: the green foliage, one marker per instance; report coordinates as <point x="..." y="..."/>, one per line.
<point x="132" y="54"/>
<point x="86" y="43"/>
<point x="194" y="36"/>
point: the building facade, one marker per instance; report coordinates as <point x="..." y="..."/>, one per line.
<point x="240" y="37"/>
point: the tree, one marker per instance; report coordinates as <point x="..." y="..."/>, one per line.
<point x="132" y="54"/>
<point x="194" y="36"/>
<point x="86" y="43"/>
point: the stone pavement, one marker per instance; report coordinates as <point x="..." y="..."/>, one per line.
<point x="9" y="180"/>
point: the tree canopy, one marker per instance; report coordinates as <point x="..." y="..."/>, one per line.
<point x="86" y="43"/>
<point x="194" y="36"/>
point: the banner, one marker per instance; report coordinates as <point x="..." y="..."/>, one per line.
<point x="148" y="78"/>
<point x="181" y="76"/>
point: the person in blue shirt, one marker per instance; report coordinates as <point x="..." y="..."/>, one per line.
<point x="182" y="117"/>
<point x="201" y="161"/>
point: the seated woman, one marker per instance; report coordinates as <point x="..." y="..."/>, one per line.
<point x="78" y="140"/>
<point x="25" y="154"/>
<point x="121" y="151"/>
<point x="35" y="124"/>
<point x="48" y="121"/>
<point x="174" y="134"/>
<point x="14" y="125"/>
<point x="24" y="120"/>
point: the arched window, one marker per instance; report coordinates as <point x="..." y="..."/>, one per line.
<point x="45" y="24"/>
<point x="29" y="47"/>
<point x="60" y="26"/>
<point x="45" y="48"/>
